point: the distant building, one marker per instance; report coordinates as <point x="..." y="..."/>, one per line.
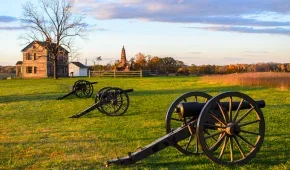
<point x="37" y="61"/>
<point x="123" y="64"/>
<point x="77" y="69"/>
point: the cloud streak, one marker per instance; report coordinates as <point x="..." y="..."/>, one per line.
<point x="281" y="31"/>
<point x="7" y="19"/>
<point x="239" y="15"/>
<point x="12" y="28"/>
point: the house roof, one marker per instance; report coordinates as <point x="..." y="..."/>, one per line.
<point x="78" y="64"/>
<point x="42" y="43"/>
<point x="19" y="63"/>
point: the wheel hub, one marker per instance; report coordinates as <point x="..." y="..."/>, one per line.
<point x="114" y="101"/>
<point x="233" y="129"/>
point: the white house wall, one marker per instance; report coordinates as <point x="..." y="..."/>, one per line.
<point x="77" y="71"/>
<point x="73" y="68"/>
<point x="83" y="72"/>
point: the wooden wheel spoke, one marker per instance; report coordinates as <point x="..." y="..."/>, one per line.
<point x="248" y="123"/>
<point x="197" y="143"/>
<point x="239" y="146"/>
<point x="224" y="146"/>
<point x="238" y="110"/>
<point x="209" y="134"/>
<point x="213" y="125"/>
<point x="230" y="108"/>
<point x="195" y="98"/>
<point x="253" y="133"/>
<point x="212" y="135"/>
<point x="245" y="115"/>
<point x="222" y="111"/>
<point x="231" y="149"/>
<point x="218" y="142"/>
<point x="245" y="140"/>
<point x="216" y="118"/>
<point x="188" y="143"/>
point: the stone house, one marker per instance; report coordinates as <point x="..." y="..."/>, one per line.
<point x="37" y="62"/>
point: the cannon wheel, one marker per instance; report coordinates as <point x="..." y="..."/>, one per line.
<point x="114" y="102"/>
<point x="241" y="131"/>
<point x="99" y="95"/>
<point x="83" y="89"/>
<point x="173" y="121"/>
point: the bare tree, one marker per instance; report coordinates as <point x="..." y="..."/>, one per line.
<point x="53" y="24"/>
<point x="99" y="59"/>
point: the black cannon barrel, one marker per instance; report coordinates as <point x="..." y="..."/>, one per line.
<point x="128" y="90"/>
<point x="121" y="91"/>
<point x="94" y="82"/>
<point x="189" y="109"/>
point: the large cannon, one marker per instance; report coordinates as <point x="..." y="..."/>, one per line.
<point x="81" y="88"/>
<point x="228" y="128"/>
<point x="111" y="101"/>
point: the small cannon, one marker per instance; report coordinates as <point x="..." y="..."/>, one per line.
<point x="228" y="128"/>
<point x="82" y="89"/>
<point x="111" y="101"/>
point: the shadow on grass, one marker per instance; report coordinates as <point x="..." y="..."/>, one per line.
<point x="185" y="90"/>
<point x="38" y="97"/>
<point x="49" y="96"/>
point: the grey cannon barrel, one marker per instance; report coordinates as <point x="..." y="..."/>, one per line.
<point x="190" y="109"/>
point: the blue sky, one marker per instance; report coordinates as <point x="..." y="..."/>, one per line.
<point x="193" y="31"/>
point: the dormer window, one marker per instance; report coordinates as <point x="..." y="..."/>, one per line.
<point x="34" y="56"/>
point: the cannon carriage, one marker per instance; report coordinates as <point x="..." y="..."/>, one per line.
<point x="229" y="129"/>
<point x="111" y="101"/>
<point x="81" y="88"/>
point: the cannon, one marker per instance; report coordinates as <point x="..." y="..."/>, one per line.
<point x="82" y="89"/>
<point x="229" y="129"/>
<point x="111" y="101"/>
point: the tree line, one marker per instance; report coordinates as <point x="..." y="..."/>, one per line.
<point x="171" y="65"/>
<point x="7" y="69"/>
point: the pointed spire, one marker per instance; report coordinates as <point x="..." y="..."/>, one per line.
<point x="123" y="56"/>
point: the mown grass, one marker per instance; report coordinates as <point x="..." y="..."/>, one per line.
<point x="36" y="133"/>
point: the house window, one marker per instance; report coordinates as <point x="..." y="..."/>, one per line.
<point x="34" y="56"/>
<point x="28" y="57"/>
<point x="60" y="57"/>
<point x="35" y="70"/>
<point x="28" y="70"/>
<point x="65" y="70"/>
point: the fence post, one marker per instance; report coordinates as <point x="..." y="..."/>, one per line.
<point x="114" y="73"/>
<point x="89" y="73"/>
<point x="141" y="73"/>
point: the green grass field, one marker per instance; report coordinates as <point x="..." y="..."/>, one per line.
<point x="36" y="133"/>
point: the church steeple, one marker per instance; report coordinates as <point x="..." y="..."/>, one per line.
<point x="123" y="65"/>
<point x="123" y="56"/>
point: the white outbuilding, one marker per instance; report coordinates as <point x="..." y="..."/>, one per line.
<point x="77" y="69"/>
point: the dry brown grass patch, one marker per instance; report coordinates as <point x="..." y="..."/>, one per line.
<point x="280" y="81"/>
